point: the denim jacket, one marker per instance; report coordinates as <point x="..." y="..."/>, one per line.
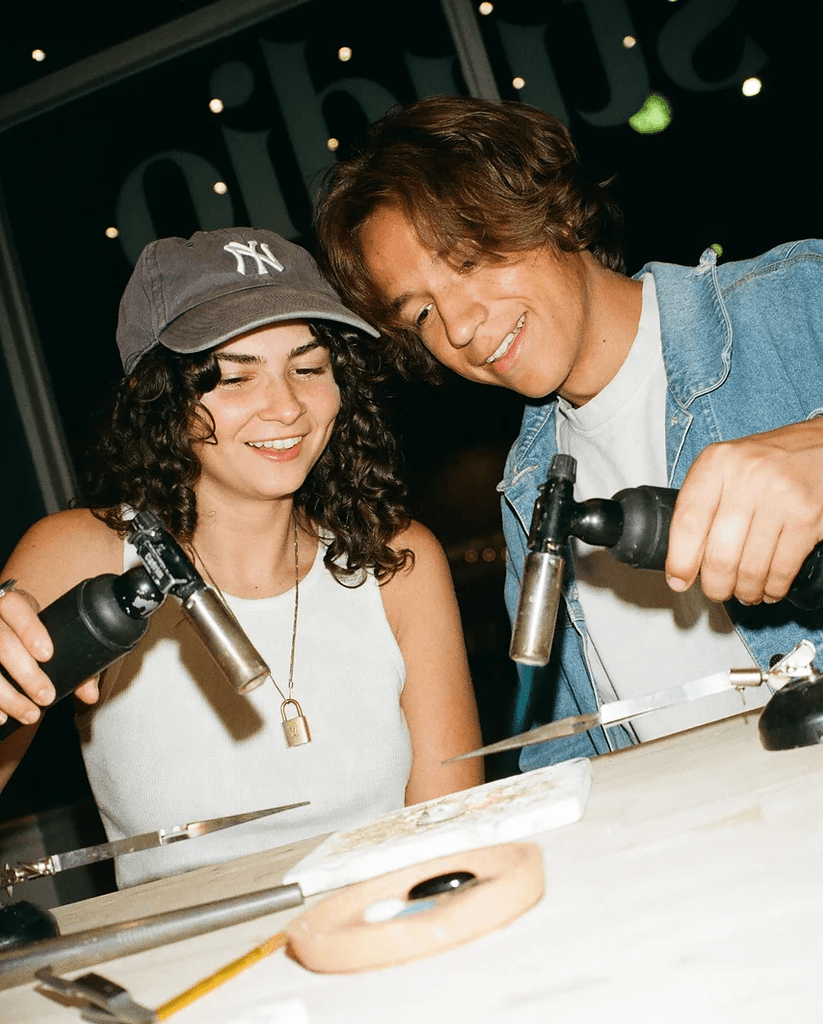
<point x="743" y="351"/>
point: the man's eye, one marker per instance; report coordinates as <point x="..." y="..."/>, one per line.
<point x="422" y="316"/>
<point x="232" y="382"/>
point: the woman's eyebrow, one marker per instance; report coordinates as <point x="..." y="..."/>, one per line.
<point x="237" y="357"/>
<point x="308" y="347"/>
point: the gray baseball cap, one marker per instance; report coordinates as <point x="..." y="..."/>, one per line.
<point x="190" y="295"/>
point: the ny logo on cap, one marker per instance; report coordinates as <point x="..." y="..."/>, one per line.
<point x="239" y="250"/>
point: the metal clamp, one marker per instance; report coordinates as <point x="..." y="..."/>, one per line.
<point x="108" y="1003"/>
<point x="797" y="664"/>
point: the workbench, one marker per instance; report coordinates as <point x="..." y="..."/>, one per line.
<point x="691" y="890"/>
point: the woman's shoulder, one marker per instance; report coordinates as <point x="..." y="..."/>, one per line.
<point x="418" y="539"/>
<point x="428" y="565"/>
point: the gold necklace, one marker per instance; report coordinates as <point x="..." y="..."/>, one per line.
<point x="295" y="729"/>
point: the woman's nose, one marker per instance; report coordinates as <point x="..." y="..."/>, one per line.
<point x="281" y="402"/>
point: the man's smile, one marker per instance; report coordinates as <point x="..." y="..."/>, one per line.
<point x="506" y="344"/>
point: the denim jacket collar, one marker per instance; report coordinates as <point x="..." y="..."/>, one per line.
<point x="697" y="341"/>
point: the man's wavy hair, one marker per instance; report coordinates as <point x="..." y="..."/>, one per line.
<point x="143" y="456"/>
<point x="480" y="182"/>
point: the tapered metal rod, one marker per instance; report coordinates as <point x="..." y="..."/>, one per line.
<point x="96" y="945"/>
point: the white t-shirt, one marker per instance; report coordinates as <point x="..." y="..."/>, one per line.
<point x="642" y="635"/>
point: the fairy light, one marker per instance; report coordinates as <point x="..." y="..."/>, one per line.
<point x="752" y="86"/>
<point x="216" y="106"/>
<point x="344" y="53"/>
<point x="629" y="42"/>
<point x="220" y="187"/>
<point x="518" y="82"/>
<point x="38" y="55"/>
<point x="332" y="144"/>
<point x="112" y="232"/>
<point x="486" y="8"/>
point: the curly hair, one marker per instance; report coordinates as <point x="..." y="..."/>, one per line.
<point x="480" y="182"/>
<point x="143" y="456"/>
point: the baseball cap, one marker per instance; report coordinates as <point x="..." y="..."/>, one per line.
<point x="192" y="294"/>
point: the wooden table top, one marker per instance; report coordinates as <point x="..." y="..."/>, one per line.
<point x="691" y="890"/>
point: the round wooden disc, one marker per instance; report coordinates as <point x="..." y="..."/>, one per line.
<point x="333" y="936"/>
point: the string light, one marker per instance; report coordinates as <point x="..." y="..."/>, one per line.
<point x="486" y="8"/>
<point x="752" y="86"/>
<point x="344" y="53"/>
<point x="629" y="42"/>
<point x="112" y="232"/>
<point x="38" y="55"/>
<point x="216" y="106"/>
<point x="220" y="187"/>
<point x="518" y="82"/>
<point x="332" y="144"/>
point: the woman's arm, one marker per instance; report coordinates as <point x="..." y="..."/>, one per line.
<point x="52" y="557"/>
<point x="438" y="698"/>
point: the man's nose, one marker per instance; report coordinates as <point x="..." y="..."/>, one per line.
<point x="462" y="314"/>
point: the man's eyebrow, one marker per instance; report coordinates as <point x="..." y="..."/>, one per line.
<point x="397" y="304"/>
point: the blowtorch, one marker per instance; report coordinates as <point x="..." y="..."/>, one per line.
<point x="633" y="525"/>
<point x="101" y="619"/>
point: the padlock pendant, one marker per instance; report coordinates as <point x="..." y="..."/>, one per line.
<point x="296" y="729"/>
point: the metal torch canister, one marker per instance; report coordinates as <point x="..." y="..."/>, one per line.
<point x="225" y="640"/>
<point x="537" y="605"/>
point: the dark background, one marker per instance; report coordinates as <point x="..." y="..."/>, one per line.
<point x="742" y="172"/>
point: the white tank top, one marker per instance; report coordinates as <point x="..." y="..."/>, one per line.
<point x="170" y="742"/>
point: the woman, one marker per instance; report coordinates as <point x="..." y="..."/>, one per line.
<point x="248" y="423"/>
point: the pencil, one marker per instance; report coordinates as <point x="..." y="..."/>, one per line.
<point x="213" y="980"/>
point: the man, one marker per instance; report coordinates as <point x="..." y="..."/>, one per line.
<point x="469" y="232"/>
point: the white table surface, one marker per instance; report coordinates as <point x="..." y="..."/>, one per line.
<point x="691" y="890"/>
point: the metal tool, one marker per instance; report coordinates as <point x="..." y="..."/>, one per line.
<point x="101" y="619"/>
<point x="797" y="664"/>
<point x="106" y="1002"/>
<point x="46" y="866"/>
<point x="96" y="945"/>
<point x="633" y="525"/>
<point x="109" y="1003"/>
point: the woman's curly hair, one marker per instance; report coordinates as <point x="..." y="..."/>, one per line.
<point x="143" y="457"/>
<point x="480" y="181"/>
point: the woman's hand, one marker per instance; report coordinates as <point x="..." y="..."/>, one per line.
<point x="24" y="644"/>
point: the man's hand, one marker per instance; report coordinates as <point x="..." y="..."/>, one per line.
<point x="748" y="514"/>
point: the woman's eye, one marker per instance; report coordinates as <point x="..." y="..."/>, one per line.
<point x="232" y="382"/>
<point x="311" y="371"/>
